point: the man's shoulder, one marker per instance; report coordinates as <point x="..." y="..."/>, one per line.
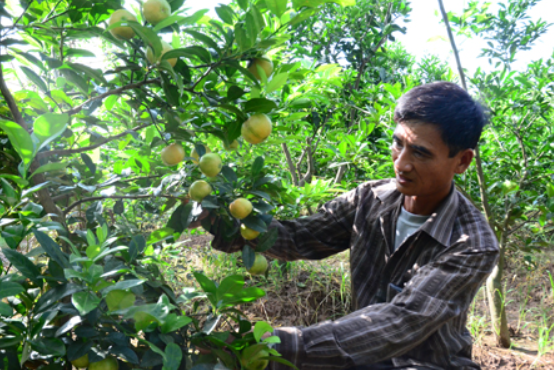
<point x="474" y="226"/>
<point x="379" y="187"/>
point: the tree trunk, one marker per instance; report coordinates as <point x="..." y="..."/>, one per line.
<point x="497" y="306"/>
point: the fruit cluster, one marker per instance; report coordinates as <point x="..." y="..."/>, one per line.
<point x="254" y="130"/>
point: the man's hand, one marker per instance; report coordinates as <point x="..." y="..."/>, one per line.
<point x="198" y="222"/>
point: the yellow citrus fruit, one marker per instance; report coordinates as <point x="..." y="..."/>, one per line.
<point x="124" y="33"/>
<point x="195" y="155"/>
<point x="256" y="129"/>
<point x="109" y="363"/>
<point x="247" y="233"/>
<point x="265" y="64"/>
<point x="165" y="48"/>
<point x="81" y="361"/>
<point x="210" y="164"/>
<point x="119" y="300"/>
<point x="240" y="208"/>
<point x="156" y="11"/>
<point x="251" y="360"/>
<point x="173" y="154"/>
<point x="199" y="190"/>
<point x="234" y="145"/>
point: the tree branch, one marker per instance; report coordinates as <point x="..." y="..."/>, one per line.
<point x="11" y="102"/>
<point x="119" y="90"/>
<point x="453" y="44"/>
<point x="90" y="147"/>
<point x="92" y="199"/>
<point x="292" y="170"/>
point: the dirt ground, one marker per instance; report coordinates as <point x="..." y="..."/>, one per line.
<point x="312" y="294"/>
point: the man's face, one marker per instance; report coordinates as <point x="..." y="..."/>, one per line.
<point x="421" y="162"/>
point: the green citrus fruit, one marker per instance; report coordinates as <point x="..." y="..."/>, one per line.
<point x="210" y="164"/>
<point x="256" y="129"/>
<point x="251" y="359"/>
<point x="240" y="208"/>
<point x="195" y="155"/>
<point x="260" y="265"/>
<point x="173" y="154"/>
<point x="156" y="11"/>
<point x="109" y="363"/>
<point x="81" y="361"/>
<point x="265" y="64"/>
<point x="124" y="33"/>
<point x="165" y="48"/>
<point x="247" y="233"/>
<point x="199" y="190"/>
<point x="119" y="300"/>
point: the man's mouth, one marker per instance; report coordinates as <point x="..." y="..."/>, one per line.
<point x="402" y="180"/>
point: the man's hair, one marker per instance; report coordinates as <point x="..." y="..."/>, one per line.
<point x="459" y="118"/>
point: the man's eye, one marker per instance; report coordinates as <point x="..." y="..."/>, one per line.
<point x="418" y="154"/>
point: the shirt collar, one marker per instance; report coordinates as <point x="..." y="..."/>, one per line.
<point x="440" y="223"/>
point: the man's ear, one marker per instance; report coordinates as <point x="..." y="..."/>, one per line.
<point x="464" y="160"/>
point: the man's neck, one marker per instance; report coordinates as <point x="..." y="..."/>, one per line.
<point x="424" y="205"/>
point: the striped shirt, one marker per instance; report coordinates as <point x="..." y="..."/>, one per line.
<point x="411" y="304"/>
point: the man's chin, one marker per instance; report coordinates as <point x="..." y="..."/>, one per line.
<point x="405" y="189"/>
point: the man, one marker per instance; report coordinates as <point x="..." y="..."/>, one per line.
<point x="419" y="250"/>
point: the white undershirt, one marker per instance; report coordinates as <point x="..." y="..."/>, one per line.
<point x="407" y="224"/>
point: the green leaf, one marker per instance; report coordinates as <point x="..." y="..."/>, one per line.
<point x="160" y="235"/>
<point x="229" y="286"/>
<point x="260" y="328"/>
<point x="20" y="140"/>
<point x="248" y="256"/>
<point x="90" y="164"/>
<point x="226" y="14"/>
<point x="173" y="357"/>
<point x="202" y="38"/>
<point x="5" y="310"/>
<point x="148" y="35"/>
<point x="53" y="250"/>
<point x="257" y="165"/>
<point x="242" y="37"/>
<point x="35" y="78"/>
<point x="51" y="297"/>
<point x="259" y="105"/>
<point x="10" y="289"/>
<point x="9" y="341"/>
<point x="277" y="7"/>
<point x="50" y="167"/>
<point x="85" y="302"/>
<point x="122" y="285"/>
<point x="137" y="245"/>
<point x="49" y="346"/>
<point x="189" y="52"/>
<point x="255" y="223"/>
<point x="267" y="240"/>
<point x="206" y="284"/>
<point x="181" y="218"/>
<point x="174" y="323"/>
<point x="95" y="74"/>
<point x="48" y="127"/>
<point x="75" y="79"/>
<point x="303" y="15"/>
<point x="110" y="102"/>
<point x="23" y="265"/>
<point x="72" y="52"/>
<point x="277" y="82"/>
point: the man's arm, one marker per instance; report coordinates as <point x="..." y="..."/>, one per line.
<point x="315" y="237"/>
<point x="440" y="291"/>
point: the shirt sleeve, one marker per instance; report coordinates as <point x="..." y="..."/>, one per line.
<point x="439" y="291"/>
<point x="315" y="237"/>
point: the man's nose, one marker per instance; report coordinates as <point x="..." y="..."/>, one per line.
<point x="402" y="163"/>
